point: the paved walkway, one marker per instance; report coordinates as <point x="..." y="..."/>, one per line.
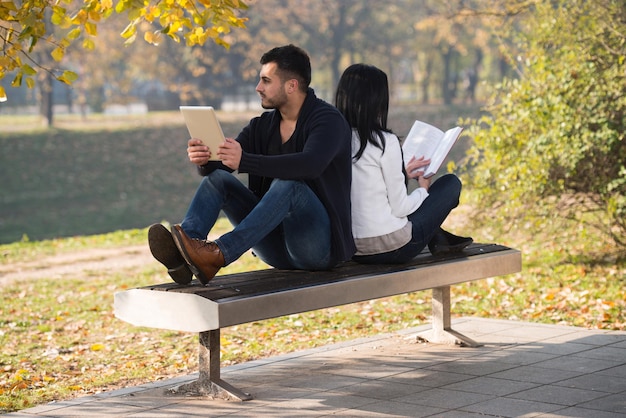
<point x="523" y="370"/>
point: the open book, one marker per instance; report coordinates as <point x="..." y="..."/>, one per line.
<point x="202" y="124"/>
<point x="431" y="143"/>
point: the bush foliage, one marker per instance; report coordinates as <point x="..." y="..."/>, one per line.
<point x="552" y="144"/>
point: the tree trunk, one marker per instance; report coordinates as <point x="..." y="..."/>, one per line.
<point x="339" y="35"/>
<point x="426" y="81"/>
<point x="450" y="78"/>
<point x="47" y="101"/>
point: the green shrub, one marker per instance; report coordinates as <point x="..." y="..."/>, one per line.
<point x="553" y="143"/>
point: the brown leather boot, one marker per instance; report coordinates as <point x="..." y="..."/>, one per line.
<point x="164" y="249"/>
<point x="204" y="257"/>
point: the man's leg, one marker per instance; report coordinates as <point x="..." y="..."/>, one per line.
<point x="219" y="190"/>
<point x="289" y="228"/>
<point x="302" y="242"/>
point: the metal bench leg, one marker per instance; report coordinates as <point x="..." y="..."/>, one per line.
<point x="209" y="382"/>
<point x="442" y="332"/>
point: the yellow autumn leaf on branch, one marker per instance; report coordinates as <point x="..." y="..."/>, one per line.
<point x="35" y="21"/>
<point x="153" y="38"/>
<point x="79" y="18"/>
<point x="94" y="15"/>
<point x="91" y="28"/>
<point x="28" y="70"/>
<point x="57" y="54"/>
<point x="74" y="34"/>
<point x="89" y="44"/>
<point x="68" y="77"/>
<point x="129" y="30"/>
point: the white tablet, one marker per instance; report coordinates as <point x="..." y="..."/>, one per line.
<point x="202" y="124"/>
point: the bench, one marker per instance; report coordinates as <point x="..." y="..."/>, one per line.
<point x="252" y="296"/>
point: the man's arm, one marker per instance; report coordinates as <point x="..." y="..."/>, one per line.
<point x="323" y="132"/>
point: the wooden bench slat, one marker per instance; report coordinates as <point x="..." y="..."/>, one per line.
<point x="252" y="283"/>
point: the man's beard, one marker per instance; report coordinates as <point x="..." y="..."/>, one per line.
<point x="274" y="103"/>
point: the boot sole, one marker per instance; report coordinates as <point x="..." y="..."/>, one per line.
<point x="448" y="249"/>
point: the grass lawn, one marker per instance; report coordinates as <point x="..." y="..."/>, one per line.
<point x="107" y="173"/>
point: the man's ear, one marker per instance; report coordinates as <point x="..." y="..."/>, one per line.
<point x="292" y="85"/>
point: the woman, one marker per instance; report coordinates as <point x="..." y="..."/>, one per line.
<point x="390" y="225"/>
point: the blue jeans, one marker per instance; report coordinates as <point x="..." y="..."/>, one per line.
<point x="288" y="228"/>
<point x="443" y="196"/>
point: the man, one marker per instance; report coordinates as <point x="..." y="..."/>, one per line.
<point x="295" y="213"/>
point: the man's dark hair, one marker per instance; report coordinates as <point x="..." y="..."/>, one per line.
<point x="292" y="62"/>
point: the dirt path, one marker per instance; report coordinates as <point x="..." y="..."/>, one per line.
<point x="63" y="265"/>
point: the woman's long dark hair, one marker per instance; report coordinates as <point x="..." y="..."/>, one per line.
<point x="363" y="98"/>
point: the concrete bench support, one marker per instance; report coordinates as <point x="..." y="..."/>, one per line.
<point x="209" y="382"/>
<point x="441" y="331"/>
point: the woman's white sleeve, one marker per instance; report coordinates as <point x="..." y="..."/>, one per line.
<point x="402" y="204"/>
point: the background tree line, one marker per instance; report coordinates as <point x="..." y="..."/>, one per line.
<point x="432" y="50"/>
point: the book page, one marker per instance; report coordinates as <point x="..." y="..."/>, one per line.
<point x="444" y="147"/>
<point x="202" y="124"/>
<point x="421" y="141"/>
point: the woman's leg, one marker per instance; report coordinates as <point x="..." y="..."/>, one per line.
<point x="402" y="255"/>
<point x="443" y="196"/>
